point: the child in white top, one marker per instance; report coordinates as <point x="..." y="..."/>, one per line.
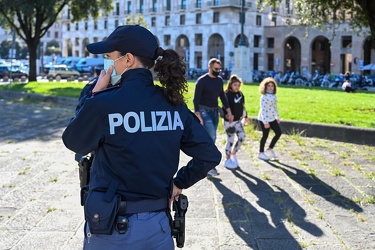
<point x="268" y="117"/>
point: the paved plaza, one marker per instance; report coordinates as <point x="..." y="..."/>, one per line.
<point x="320" y="195"/>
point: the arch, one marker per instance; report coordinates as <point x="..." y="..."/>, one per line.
<point x="216" y="48"/>
<point x="367" y="50"/>
<point x="68" y="51"/>
<point x="321" y="55"/>
<point x="182" y="47"/>
<point x="292" y="54"/>
<point x="238" y="38"/>
<point x="85" y="41"/>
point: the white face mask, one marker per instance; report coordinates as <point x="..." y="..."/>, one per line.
<point x="114" y="76"/>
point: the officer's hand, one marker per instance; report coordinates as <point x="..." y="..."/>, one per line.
<point x="103" y="80"/>
<point x="175" y="193"/>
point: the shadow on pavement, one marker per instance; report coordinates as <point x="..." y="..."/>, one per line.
<point x="252" y="225"/>
<point x="22" y="120"/>
<point x="317" y="186"/>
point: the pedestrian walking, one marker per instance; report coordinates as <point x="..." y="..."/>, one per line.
<point x="236" y="101"/>
<point x="136" y="131"/>
<point x="268" y="117"/>
<point x="208" y="89"/>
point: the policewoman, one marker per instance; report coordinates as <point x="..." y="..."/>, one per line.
<point x="136" y="130"/>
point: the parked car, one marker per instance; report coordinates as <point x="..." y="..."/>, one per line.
<point x="62" y="71"/>
<point x="13" y="72"/>
<point x="89" y="65"/>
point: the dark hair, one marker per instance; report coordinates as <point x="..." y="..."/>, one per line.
<point x="171" y="70"/>
<point x="232" y="79"/>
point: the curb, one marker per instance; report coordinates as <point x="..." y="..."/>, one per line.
<point x="362" y="136"/>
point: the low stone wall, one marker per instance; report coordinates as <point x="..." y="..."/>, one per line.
<point x="324" y="131"/>
<point x="356" y="135"/>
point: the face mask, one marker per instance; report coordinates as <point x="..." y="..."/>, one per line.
<point x="114" y="76"/>
<point x="215" y="73"/>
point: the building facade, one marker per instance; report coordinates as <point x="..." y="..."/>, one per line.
<point x="200" y="30"/>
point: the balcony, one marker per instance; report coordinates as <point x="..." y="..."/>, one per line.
<point x="228" y="4"/>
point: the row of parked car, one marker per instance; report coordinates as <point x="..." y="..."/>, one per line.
<point x="73" y="67"/>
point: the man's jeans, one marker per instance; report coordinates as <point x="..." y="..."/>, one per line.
<point x="210" y="117"/>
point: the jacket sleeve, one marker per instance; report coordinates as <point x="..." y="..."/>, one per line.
<point x="198" y="144"/>
<point x="277" y="116"/>
<point x="84" y="132"/>
<point x="197" y="94"/>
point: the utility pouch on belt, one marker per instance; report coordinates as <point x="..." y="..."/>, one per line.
<point x="101" y="209"/>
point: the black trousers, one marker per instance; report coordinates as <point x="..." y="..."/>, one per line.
<point x="274" y="125"/>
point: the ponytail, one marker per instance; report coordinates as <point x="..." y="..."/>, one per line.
<point x="171" y="70"/>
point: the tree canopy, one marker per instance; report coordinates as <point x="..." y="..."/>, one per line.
<point x="32" y="19"/>
<point x="327" y="13"/>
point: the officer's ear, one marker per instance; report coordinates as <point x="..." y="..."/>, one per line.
<point x="129" y="59"/>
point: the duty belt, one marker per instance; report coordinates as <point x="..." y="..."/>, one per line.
<point x="134" y="207"/>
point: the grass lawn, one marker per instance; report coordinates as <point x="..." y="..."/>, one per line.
<point x="318" y="105"/>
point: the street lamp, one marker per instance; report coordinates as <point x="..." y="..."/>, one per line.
<point x="242" y="40"/>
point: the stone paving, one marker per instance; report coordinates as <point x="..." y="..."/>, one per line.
<point x="319" y="195"/>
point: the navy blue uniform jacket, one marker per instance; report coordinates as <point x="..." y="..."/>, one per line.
<point x="137" y="135"/>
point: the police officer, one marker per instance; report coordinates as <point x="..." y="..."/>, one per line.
<point x="136" y="131"/>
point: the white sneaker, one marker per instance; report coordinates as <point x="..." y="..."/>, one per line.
<point x="271" y="153"/>
<point x="229" y="164"/>
<point x="233" y="158"/>
<point x="263" y="156"/>
<point x="213" y="172"/>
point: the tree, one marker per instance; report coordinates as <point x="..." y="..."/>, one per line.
<point x="332" y="13"/>
<point x="5" y="47"/>
<point x="33" y="18"/>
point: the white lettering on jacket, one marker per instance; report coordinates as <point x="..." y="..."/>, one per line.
<point x="154" y="121"/>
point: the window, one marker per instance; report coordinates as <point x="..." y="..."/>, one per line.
<point x="77" y="41"/>
<point x="273" y="22"/>
<point x="167" y="40"/>
<point x="287" y="7"/>
<point x="95" y="25"/>
<point x="270" y="62"/>
<point x="198" y="40"/>
<point x="129" y="8"/>
<point x="168" y="5"/>
<point x="154" y="5"/>
<point x="198" y="18"/>
<point x="183" y="4"/>
<point x="270" y="42"/>
<point x="256" y="41"/>
<point x="167" y="20"/>
<point x="346" y="42"/>
<point x="153" y="21"/>
<point x="48" y="33"/>
<point x="258" y="20"/>
<point x="117" y="9"/>
<point x="216" y="17"/>
<point x="182" y="20"/>
<point x="68" y="14"/>
<point x="256" y="61"/>
<point x="141" y="7"/>
<point x="198" y="4"/>
<point x="116" y="23"/>
<point x="86" y="25"/>
<point x="105" y="24"/>
<point x="76" y="26"/>
<point x="68" y="27"/>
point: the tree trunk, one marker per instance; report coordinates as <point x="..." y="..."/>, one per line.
<point x="32" y="61"/>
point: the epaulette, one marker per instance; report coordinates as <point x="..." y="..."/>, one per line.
<point x="93" y="81"/>
<point x="107" y="89"/>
